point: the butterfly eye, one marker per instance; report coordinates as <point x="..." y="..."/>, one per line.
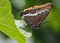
<point x="38" y="9"/>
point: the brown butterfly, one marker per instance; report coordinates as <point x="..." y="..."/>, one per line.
<point x="35" y="15"/>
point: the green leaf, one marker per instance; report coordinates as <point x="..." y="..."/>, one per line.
<point x="7" y="24"/>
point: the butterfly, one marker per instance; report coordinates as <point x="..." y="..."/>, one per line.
<point x="35" y="15"/>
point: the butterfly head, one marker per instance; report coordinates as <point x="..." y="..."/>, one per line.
<point x="35" y="15"/>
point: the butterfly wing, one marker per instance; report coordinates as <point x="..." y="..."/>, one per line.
<point x="35" y="15"/>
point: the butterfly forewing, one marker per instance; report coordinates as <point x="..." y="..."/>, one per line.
<point x="35" y="15"/>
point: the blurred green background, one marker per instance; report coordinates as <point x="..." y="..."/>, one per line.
<point x="49" y="31"/>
